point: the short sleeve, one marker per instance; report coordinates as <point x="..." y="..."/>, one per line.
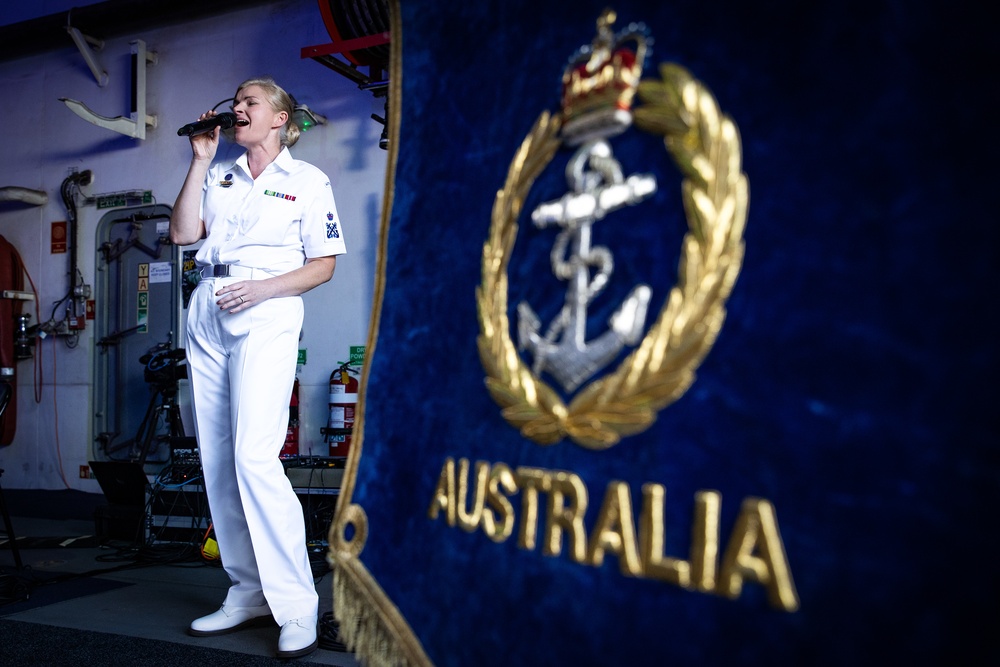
<point x="204" y="192"/>
<point x="211" y="177"/>
<point x="322" y="233"/>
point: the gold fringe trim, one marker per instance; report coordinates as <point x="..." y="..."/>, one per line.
<point x="370" y="625"/>
<point x="361" y="629"/>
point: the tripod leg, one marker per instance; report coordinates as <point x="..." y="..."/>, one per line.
<point x="148" y="428"/>
<point x="176" y="424"/>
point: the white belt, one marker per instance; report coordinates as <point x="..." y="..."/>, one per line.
<point x="233" y="271"/>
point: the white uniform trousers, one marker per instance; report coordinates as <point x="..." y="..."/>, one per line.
<point x="242" y="367"/>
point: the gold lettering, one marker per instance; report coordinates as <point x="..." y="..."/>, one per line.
<point x="444" y="493"/>
<point x="530" y="481"/>
<point x="566" y="487"/>
<point x="468" y="520"/>
<point x="705" y="539"/>
<point x="756" y="553"/>
<point x="651" y="538"/>
<point x="615" y="531"/>
<point x="498" y="517"/>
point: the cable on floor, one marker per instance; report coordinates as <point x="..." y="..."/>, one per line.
<point x="329" y="634"/>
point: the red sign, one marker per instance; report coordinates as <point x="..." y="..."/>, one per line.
<point x="58" y="237"/>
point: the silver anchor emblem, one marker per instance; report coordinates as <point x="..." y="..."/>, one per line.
<point x="597" y="188"/>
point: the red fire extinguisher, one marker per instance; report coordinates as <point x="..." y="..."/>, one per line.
<point x="291" y="447"/>
<point x="343" y="401"/>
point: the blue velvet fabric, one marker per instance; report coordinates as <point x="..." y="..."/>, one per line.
<point x="852" y="383"/>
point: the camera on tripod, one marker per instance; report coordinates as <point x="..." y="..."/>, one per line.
<point x="163" y="366"/>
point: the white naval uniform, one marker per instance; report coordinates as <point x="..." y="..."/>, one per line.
<point x="242" y="367"/>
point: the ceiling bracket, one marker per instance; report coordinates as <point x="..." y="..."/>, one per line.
<point x="88" y="46"/>
<point x="135" y="125"/>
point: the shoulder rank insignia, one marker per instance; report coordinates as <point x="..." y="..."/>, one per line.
<point x="600" y="85"/>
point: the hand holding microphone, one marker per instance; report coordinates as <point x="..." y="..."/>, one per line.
<point x="225" y="120"/>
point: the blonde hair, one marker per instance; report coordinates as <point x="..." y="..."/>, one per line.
<point x="279" y="101"/>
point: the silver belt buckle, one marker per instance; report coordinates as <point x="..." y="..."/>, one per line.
<point x="220" y="270"/>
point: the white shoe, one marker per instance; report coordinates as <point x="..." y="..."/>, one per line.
<point x="298" y="637"/>
<point x="229" y="619"/>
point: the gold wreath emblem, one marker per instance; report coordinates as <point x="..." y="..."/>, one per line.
<point x="705" y="145"/>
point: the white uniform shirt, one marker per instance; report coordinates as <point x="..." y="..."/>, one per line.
<point x="273" y="223"/>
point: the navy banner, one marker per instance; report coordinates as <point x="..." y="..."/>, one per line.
<point x="680" y="340"/>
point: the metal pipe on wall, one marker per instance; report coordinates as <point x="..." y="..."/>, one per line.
<point x="26" y="195"/>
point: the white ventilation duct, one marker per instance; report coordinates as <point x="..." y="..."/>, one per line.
<point x="26" y="195"/>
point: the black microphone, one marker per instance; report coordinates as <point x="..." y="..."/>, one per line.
<point x="225" y="120"/>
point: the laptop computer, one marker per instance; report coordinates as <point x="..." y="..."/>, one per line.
<point x="123" y="482"/>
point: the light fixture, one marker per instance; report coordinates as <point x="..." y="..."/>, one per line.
<point x="306" y="118"/>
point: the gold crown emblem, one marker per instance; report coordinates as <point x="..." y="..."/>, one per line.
<point x="600" y="82"/>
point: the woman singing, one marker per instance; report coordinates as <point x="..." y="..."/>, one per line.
<point x="271" y="233"/>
